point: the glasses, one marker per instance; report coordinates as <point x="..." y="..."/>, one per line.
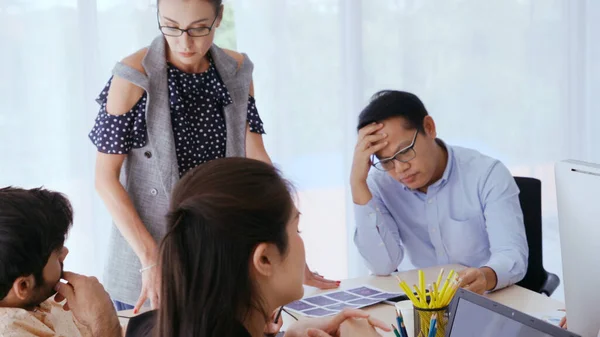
<point x="404" y="156"/>
<point x="193" y="32"/>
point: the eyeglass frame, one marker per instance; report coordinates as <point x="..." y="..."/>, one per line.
<point x="392" y="158"/>
<point x="209" y="29"/>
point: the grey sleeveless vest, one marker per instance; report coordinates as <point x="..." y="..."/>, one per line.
<point x="150" y="173"/>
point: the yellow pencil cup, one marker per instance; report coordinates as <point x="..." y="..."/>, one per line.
<point x="423" y="320"/>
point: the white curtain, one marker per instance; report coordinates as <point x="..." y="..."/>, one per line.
<point x="514" y="79"/>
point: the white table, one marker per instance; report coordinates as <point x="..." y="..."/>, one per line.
<point x="515" y="297"/>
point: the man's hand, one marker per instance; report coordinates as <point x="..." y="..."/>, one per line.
<point x="90" y="304"/>
<point x="313" y="279"/>
<point x="563" y="322"/>
<point x="369" y="142"/>
<point x="478" y="280"/>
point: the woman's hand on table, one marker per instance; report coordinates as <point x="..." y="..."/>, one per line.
<point x="314" y="279"/>
<point x="334" y="325"/>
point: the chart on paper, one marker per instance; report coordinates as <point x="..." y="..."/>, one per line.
<point x="331" y="303"/>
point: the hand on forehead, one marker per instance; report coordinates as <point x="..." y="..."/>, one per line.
<point x="399" y="136"/>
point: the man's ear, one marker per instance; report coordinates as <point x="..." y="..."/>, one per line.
<point x="429" y="127"/>
<point x="23" y="287"/>
<point x="263" y="258"/>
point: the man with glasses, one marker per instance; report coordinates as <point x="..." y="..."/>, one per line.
<point x="436" y="203"/>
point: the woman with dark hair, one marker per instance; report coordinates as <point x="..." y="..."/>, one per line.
<point x="232" y="254"/>
<point x="169" y="107"/>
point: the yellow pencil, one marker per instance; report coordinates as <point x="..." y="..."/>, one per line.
<point x="440" y="276"/>
<point x="444" y="288"/>
<point x="447" y="283"/>
<point x="436" y="294"/>
<point x="409" y="292"/>
<point x="422" y="281"/>
<point x="422" y="298"/>
<point x="432" y="303"/>
<point x="450" y="293"/>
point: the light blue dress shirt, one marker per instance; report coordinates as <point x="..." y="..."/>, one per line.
<point x="471" y="216"/>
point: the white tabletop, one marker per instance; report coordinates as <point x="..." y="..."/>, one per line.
<point x="515" y="297"/>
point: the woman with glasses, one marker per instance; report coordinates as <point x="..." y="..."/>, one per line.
<point x="169" y="107"/>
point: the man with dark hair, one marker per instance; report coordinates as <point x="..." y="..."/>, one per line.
<point x="436" y="203"/>
<point x="33" y="227"/>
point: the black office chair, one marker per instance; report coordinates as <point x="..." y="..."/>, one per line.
<point x="537" y="278"/>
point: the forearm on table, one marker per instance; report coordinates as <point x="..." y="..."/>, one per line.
<point x="127" y="219"/>
<point x="376" y="242"/>
<point x="490" y="277"/>
<point x="505" y="269"/>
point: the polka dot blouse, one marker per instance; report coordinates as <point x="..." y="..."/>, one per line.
<point x="196" y="102"/>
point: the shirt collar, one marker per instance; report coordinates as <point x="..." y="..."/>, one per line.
<point x="449" y="164"/>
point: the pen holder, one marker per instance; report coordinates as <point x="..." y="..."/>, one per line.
<point x="422" y="320"/>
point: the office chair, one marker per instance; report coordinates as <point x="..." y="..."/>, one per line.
<point x="537" y="278"/>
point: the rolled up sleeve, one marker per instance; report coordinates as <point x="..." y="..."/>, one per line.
<point x="505" y="227"/>
<point x="377" y="238"/>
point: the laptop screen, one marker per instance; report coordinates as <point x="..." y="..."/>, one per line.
<point x="472" y="320"/>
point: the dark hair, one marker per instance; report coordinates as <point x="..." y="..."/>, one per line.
<point x="391" y="103"/>
<point x="33" y="224"/>
<point x="216" y="4"/>
<point x="220" y="211"/>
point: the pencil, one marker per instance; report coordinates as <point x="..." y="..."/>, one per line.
<point x="403" y="330"/>
<point x="431" y="297"/>
<point x="436" y="294"/>
<point x="400" y="320"/>
<point x="396" y="331"/>
<point x="422" y="281"/>
<point x="450" y="294"/>
<point x="447" y="283"/>
<point x="422" y="296"/>
<point x="440" y="276"/>
<point x="432" y="326"/>
<point x="398" y="317"/>
<point x="433" y="330"/>
<point x="409" y="293"/>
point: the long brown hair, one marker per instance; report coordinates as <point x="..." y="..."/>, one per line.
<point x="220" y="211"/>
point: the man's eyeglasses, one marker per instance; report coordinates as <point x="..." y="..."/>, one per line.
<point x="405" y="155"/>
<point x="193" y="32"/>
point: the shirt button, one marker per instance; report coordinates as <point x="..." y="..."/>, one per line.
<point x="430" y="201"/>
<point x="153" y="191"/>
<point x="148" y="154"/>
<point x="433" y="230"/>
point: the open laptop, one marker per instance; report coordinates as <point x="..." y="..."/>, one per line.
<point x="472" y="315"/>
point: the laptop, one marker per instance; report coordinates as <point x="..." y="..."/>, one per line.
<point x="471" y="315"/>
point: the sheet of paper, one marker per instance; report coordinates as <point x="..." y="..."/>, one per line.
<point x="331" y="303"/>
<point x="552" y="317"/>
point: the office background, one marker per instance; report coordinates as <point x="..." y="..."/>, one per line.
<point x="515" y="79"/>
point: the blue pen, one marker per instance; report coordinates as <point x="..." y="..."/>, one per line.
<point x="400" y="321"/>
<point x="433" y="326"/>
